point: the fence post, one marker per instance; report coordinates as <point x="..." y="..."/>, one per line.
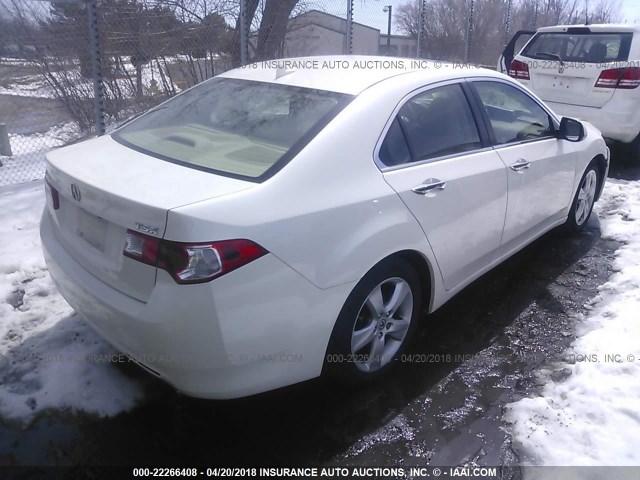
<point x="467" y="49"/>
<point x="348" y="39"/>
<point x="506" y="31"/>
<point x="96" y="63"/>
<point x="244" y="34"/>
<point x="421" y="15"/>
<point x="5" y="145"/>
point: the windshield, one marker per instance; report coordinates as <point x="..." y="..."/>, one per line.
<point x="579" y="47"/>
<point x="239" y="128"/>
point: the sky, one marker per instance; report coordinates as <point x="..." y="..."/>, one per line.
<point x="630" y="11"/>
<point x="370" y="12"/>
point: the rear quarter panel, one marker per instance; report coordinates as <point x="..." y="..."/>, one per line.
<point x="328" y="214"/>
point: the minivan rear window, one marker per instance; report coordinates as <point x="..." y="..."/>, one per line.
<point x="239" y="128"/>
<point x="579" y="47"/>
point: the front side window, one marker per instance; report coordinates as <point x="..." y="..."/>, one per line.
<point x="439" y="122"/>
<point x="237" y="127"/>
<point x="579" y="47"/>
<point x="514" y="115"/>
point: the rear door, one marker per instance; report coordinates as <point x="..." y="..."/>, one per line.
<point x="565" y="66"/>
<point x="438" y="161"/>
<point x="540" y="167"/>
<point x="519" y="39"/>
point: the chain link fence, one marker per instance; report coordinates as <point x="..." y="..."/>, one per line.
<point x="72" y="69"/>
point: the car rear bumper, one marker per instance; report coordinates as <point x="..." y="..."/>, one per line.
<point x="256" y="329"/>
<point x="616" y="120"/>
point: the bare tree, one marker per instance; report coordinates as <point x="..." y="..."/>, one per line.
<point x="149" y="51"/>
<point x="446" y="22"/>
<point x="407" y="18"/>
<point x="270" y="19"/>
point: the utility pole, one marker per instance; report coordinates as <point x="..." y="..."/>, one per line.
<point x="388" y="9"/>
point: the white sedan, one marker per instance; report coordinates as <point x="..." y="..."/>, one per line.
<point x="273" y="224"/>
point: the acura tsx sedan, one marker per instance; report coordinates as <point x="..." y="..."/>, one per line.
<point x="274" y="224"/>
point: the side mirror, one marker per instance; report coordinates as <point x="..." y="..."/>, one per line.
<point x="571" y="130"/>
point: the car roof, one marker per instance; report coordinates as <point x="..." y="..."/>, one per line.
<point x="595" y="28"/>
<point x="350" y="74"/>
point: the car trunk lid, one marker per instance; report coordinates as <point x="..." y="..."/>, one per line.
<point x="104" y="189"/>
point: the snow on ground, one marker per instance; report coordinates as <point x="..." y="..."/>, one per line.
<point x="27" y="162"/>
<point x="49" y="358"/>
<point x="395" y="430"/>
<point x="29" y="86"/>
<point x="593" y="416"/>
<point x="36" y="85"/>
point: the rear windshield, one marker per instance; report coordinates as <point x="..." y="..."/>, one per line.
<point x="239" y="128"/>
<point x="579" y="47"/>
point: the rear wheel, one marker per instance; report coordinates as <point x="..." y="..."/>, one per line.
<point x="375" y="324"/>
<point x="584" y="199"/>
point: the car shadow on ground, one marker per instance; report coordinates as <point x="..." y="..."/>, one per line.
<point x="623" y="167"/>
<point x="316" y="421"/>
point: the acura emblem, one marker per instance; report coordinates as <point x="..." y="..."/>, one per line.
<point x="75" y="192"/>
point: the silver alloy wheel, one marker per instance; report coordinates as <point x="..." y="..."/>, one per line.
<point x="586" y="195"/>
<point x="382" y="324"/>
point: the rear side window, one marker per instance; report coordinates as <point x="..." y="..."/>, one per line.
<point x="579" y="47"/>
<point x="234" y="127"/>
<point x="394" y="149"/>
<point x="439" y="122"/>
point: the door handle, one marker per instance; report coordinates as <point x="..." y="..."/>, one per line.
<point x="429" y="185"/>
<point x="521" y="164"/>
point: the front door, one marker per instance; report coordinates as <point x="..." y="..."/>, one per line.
<point x="540" y="166"/>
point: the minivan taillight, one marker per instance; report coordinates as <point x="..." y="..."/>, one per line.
<point x="191" y="262"/>
<point x="625" y="78"/>
<point x="519" y="70"/>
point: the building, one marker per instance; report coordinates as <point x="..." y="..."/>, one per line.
<point x="399" y="46"/>
<point x="320" y="33"/>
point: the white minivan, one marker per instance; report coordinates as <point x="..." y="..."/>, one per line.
<point x="590" y="72"/>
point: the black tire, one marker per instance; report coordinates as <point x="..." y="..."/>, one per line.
<point x="345" y="365"/>
<point x="578" y="218"/>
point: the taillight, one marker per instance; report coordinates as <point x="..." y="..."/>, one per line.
<point x="141" y="247"/>
<point x="519" y="70"/>
<point x="191" y="263"/>
<point x="630" y="78"/>
<point x="625" y="78"/>
<point x="52" y="193"/>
